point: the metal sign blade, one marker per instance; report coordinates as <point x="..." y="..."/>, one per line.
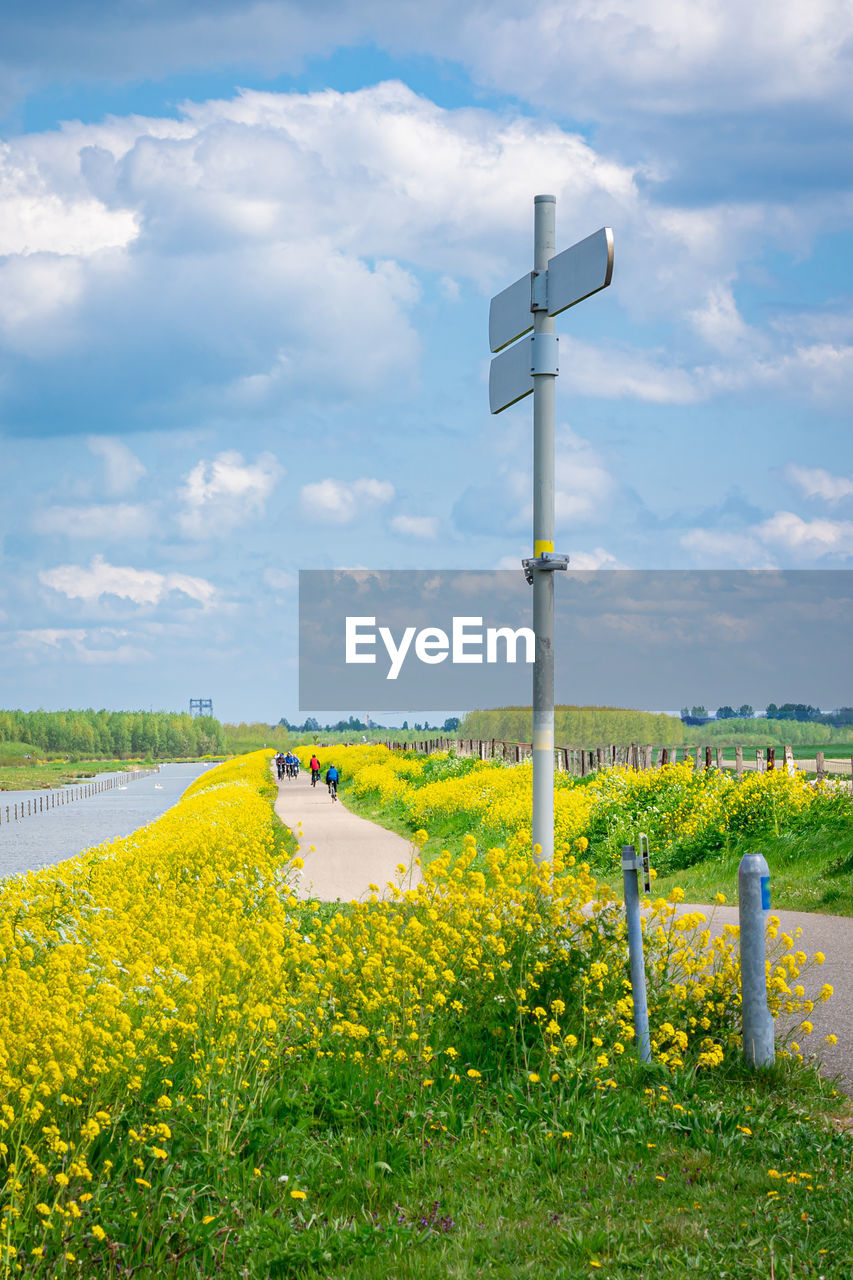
<point x="509" y="314"/>
<point x="580" y="271"/>
<point x="510" y="376"/>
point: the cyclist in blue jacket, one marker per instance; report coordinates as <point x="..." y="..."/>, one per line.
<point x="332" y="778"/>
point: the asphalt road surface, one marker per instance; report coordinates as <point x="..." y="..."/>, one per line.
<point x="343" y="854"/>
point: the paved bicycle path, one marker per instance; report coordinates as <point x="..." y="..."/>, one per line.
<point x="833" y="936"/>
<point x="349" y="853"/>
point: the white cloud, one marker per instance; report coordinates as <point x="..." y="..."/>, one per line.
<point x="38" y="296"/>
<point x="102" y="647"/>
<point x="783" y="536"/>
<point x="123" y="470"/>
<point x="606" y="59"/>
<point x="598" y="558"/>
<point x="619" y="373"/>
<point x="720" y="323"/>
<point x="298" y="222"/>
<point x="599" y="59"/>
<point x="221" y="494"/>
<point x="807" y="537"/>
<point x="720" y="548"/>
<point x="815" y="482"/>
<point x="416" y="526"/>
<point x="280" y="579"/>
<point x="110" y="522"/>
<point x="340" y="502"/>
<point x="139" y="586"/>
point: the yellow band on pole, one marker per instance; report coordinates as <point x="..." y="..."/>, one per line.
<point x="541" y="546"/>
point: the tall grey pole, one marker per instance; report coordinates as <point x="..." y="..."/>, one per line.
<point x="544" y="247"/>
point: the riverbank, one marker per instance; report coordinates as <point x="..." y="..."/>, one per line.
<point x="46" y="838"/>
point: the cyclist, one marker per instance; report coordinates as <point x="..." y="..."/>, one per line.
<point x="332" y="779"/>
<point x="279" y="765"/>
<point x="315" y="769"/>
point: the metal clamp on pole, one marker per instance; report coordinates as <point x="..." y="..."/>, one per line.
<point x="549" y="561"/>
<point x="631" y="864"/>
<point x="646" y="868"/>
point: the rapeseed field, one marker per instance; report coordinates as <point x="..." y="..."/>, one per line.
<point x="204" y="1074"/>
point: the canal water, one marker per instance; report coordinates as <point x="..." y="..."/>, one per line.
<point x="47" y="838"/>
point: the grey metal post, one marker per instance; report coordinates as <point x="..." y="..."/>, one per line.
<point x="631" y="864"/>
<point x="544" y="245"/>
<point x="753" y="887"/>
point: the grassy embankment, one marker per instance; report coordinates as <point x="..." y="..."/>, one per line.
<point x="206" y="1076"/>
<point x="699" y="825"/>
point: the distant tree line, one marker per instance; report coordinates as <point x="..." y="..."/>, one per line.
<point x="354" y="725"/>
<point x="799" y="711"/>
<point x="585" y="726"/>
<point x="115" y="735"/>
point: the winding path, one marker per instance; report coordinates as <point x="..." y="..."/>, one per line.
<point x="343" y="854"/>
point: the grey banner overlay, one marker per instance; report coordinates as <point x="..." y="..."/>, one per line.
<point x="649" y="639"/>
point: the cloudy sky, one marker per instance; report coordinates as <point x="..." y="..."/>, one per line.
<point x="246" y="255"/>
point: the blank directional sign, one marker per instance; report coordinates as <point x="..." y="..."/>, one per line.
<point x="509" y="314"/>
<point x="576" y="273"/>
<point x="511" y="376"/>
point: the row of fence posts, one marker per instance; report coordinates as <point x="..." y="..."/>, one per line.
<point x="580" y="761"/>
<point x="43" y="802"/>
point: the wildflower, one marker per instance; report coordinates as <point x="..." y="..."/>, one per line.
<point x="299" y="1195"/>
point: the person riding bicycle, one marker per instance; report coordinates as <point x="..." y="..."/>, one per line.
<point x="314" y="766"/>
<point x="332" y="779"/>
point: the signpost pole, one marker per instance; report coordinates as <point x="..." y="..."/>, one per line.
<point x="524" y="365"/>
<point x="544" y="246"/>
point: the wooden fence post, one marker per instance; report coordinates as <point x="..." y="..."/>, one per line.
<point x="821" y="765"/>
<point x="739" y="761"/>
<point x="789" y="760"/>
<point x="771" y="758"/>
<point x="759" y="759"/>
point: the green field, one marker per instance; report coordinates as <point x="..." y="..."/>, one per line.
<point x="19" y="774"/>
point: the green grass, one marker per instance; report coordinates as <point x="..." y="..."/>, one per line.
<point x="35" y="775"/>
<point x="811" y="867"/>
<point x="653" y="1176"/>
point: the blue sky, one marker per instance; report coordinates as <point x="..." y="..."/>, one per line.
<point x="246" y="254"/>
